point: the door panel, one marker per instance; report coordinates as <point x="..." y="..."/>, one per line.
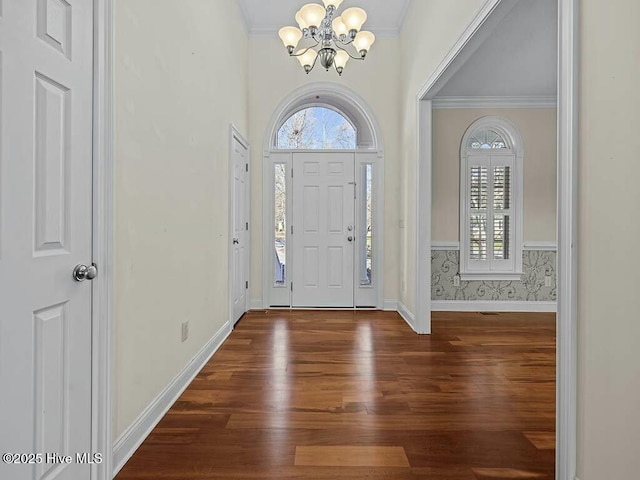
<point x="52" y="118"/>
<point x="46" y="62"/>
<point x="323" y="211"/>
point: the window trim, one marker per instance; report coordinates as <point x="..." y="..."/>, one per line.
<point x="515" y="149"/>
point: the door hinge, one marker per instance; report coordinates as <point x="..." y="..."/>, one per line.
<point x="246" y="166"/>
<point x="247" y="226"/>
<point x="355" y="189"/>
<point x="291" y="229"/>
<point x="292" y="286"/>
<point x="246" y="284"/>
<point x="291" y="172"/>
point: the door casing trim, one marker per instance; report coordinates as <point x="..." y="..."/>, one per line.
<point x="103" y="231"/>
<point x="267" y="208"/>
<point x="567" y="345"/>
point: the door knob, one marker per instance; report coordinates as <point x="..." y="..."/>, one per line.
<point x="83" y="272"/>
<point x="236" y="241"/>
<point x="350" y="238"/>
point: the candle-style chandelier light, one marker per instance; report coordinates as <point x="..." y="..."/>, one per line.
<point x="329" y="38"/>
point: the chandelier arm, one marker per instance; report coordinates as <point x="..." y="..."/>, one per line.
<point x="348" y="52"/>
<point x="305" y="51"/>
<point x="338" y="41"/>
<point x="314" y="63"/>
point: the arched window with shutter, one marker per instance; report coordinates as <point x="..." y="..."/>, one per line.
<point x="491" y="177"/>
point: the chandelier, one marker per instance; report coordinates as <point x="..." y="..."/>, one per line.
<point x="330" y="38"/>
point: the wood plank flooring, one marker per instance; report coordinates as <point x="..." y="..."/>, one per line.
<point x="346" y="396"/>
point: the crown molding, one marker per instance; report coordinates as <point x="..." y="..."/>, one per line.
<point x="261" y="32"/>
<point x="244" y="13"/>
<point x="444" y="103"/>
<point x="403" y="15"/>
<point x="381" y="32"/>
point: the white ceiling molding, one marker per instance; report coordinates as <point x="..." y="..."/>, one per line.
<point x="273" y="32"/>
<point x="443" y="103"/>
<point x="263" y="18"/>
<point x="403" y="16"/>
<point x="246" y="18"/>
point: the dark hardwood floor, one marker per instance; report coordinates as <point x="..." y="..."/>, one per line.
<point x="344" y="395"/>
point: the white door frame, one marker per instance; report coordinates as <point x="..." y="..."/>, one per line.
<point x="103" y="198"/>
<point x="236" y="135"/>
<point x="103" y="171"/>
<point x="283" y="156"/>
<point x="369" y="142"/>
<point x="566" y="376"/>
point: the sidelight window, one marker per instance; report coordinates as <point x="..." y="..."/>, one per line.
<point x="280" y="224"/>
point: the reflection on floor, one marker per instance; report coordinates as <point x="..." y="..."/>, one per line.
<point x="344" y="395"/>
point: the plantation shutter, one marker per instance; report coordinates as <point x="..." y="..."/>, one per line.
<point x="489" y="213"/>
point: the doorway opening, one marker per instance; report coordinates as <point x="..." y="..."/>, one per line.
<point x="323" y="203"/>
<point x="431" y="104"/>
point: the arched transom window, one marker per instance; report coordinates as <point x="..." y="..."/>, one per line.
<point x="317" y="128"/>
<point x="487" y="139"/>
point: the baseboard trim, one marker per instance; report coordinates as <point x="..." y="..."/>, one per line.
<point x="390" y="306"/>
<point x="489" y="306"/>
<point x="408" y="316"/>
<point x="133" y="437"/>
<point x="256" y="304"/>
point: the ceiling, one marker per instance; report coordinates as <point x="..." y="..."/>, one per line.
<point x="268" y="16"/>
<point x="519" y="59"/>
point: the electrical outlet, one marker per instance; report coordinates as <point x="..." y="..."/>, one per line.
<point x="185" y="331"/>
<point x="547" y="281"/>
<point x="456" y="280"/>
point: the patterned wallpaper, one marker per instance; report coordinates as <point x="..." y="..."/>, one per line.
<point x="536" y="265"/>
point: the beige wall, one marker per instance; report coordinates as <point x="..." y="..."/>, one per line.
<point x="538" y="128"/>
<point x="609" y="236"/>
<point x="430" y="31"/>
<point x="176" y="92"/>
<point x="273" y="77"/>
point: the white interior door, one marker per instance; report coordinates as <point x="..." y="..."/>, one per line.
<point x="240" y="240"/>
<point x="323" y="229"/>
<point x="45" y="231"/>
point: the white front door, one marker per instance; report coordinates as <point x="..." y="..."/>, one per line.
<point x="240" y="240"/>
<point x="323" y="229"/>
<point x="46" y="55"/>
